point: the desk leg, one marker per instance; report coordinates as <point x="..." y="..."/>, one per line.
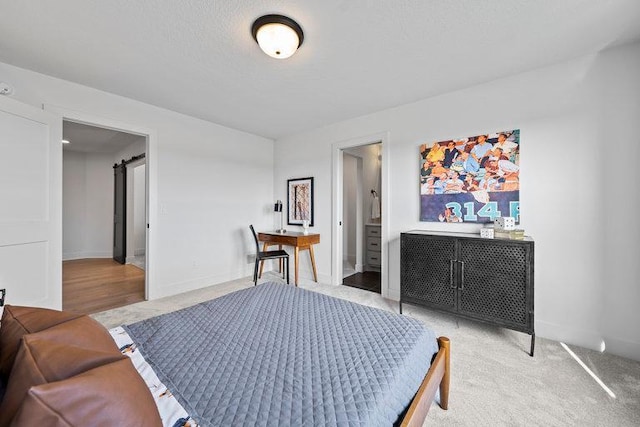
<point x="280" y="263"/>
<point x="295" y="260"/>
<point x="264" y="249"/>
<point x="313" y="263"/>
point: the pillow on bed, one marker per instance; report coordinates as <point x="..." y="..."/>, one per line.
<point x="56" y="353"/>
<point x="40" y="361"/>
<point x="83" y="332"/>
<point x="110" y="395"/>
<point x="18" y="321"/>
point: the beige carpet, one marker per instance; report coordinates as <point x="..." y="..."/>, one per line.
<point x="494" y="381"/>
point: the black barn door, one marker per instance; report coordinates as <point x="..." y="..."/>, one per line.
<point x="120" y="213"/>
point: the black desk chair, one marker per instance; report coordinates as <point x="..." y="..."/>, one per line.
<point x="261" y="256"/>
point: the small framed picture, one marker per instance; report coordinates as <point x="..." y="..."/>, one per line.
<point x="300" y="201"/>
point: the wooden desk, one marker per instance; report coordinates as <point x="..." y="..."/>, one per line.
<point x="298" y="240"/>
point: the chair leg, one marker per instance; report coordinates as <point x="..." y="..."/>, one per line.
<point x="287" y="262"/>
<point x="255" y="273"/>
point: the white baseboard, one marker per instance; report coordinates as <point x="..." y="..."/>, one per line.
<point x="569" y="335"/>
<point x="624" y="348"/>
<point x="202" y="282"/>
<point x="393" y="294"/>
<point x="323" y="278"/>
<point x="589" y="339"/>
<point x="359" y="268"/>
<point x="303" y="275"/>
<point x="168" y="290"/>
<point x="68" y="256"/>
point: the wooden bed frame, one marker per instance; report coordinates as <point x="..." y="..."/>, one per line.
<point x="437" y="377"/>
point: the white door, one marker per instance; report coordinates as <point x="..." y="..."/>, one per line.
<point x="30" y="205"/>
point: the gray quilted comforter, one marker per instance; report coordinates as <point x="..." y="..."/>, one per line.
<point x="279" y="355"/>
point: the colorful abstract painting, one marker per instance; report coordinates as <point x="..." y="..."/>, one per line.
<point x="472" y="179"/>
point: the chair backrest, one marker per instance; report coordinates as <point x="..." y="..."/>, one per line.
<point x="255" y="238"/>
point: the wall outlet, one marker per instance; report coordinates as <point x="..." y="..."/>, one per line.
<point x="5" y="89"/>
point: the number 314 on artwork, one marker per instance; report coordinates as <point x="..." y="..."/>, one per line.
<point x="471" y="179"/>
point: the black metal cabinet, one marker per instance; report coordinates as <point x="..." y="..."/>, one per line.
<point x="489" y="280"/>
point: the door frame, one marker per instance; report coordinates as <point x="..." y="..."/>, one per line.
<point x="336" y="229"/>
<point x="151" y="175"/>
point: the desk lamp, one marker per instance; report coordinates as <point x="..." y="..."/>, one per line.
<point x="277" y="207"/>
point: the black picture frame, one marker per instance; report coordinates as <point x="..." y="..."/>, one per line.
<point x="300" y="201"/>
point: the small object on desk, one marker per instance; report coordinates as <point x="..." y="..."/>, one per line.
<point x="487" y="233"/>
<point x="305" y="226"/>
<point x="505" y="223"/>
<point x="510" y="234"/>
<point x="517" y="234"/>
<point x="277" y="207"/>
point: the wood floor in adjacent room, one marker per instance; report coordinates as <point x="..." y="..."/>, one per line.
<point x="95" y="285"/>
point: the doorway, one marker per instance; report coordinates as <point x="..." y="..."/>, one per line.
<point x="361" y="217"/>
<point x="360" y="210"/>
<point x="98" y="269"/>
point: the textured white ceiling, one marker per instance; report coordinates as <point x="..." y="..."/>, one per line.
<point x="91" y="139"/>
<point x="359" y="56"/>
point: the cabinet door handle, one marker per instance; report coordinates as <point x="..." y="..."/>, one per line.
<point x="451" y="284"/>
<point x="461" y="275"/>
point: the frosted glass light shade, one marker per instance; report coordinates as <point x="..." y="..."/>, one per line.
<point x="277" y="40"/>
<point x="278" y="36"/>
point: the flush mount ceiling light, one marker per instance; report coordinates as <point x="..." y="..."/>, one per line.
<point x="278" y="36"/>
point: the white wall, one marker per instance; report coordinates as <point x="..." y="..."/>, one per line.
<point x="87" y="194"/>
<point x="566" y="201"/>
<point x="73" y="203"/>
<point x="212" y="182"/>
<point x="620" y="133"/>
<point x="371" y="171"/>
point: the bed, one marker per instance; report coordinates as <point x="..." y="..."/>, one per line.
<point x="279" y="355"/>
